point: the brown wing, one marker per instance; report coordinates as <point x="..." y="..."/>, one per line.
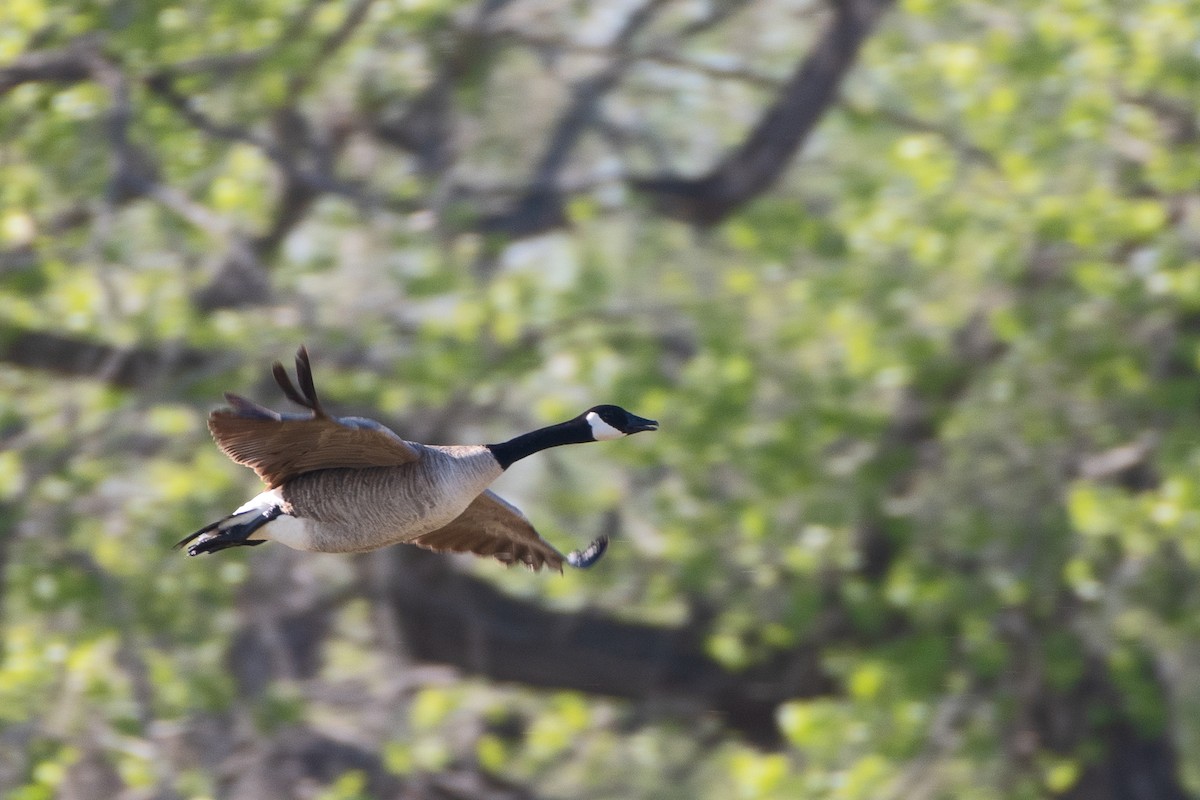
<point x="492" y="527"/>
<point x="281" y="449"/>
<point x="281" y="446"/>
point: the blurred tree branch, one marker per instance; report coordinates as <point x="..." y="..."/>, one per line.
<point x="130" y="367"/>
<point x="306" y="152"/>
<point x="64" y="65"/>
<point x="451" y="618"/>
<point x="755" y="165"/>
<point x="540" y="206"/>
<point x="1129" y="760"/>
<point x="990" y="532"/>
<point x="448" y="617"/>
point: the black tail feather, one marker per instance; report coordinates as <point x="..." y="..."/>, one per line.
<point x="179" y="545"/>
<point x="233" y="534"/>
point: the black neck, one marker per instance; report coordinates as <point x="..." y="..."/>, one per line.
<point x="574" y="431"/>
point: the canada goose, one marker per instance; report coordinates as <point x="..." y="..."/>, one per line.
<point x="348" y="484"/>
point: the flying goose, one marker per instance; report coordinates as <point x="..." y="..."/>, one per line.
<point x="349" y="484"/>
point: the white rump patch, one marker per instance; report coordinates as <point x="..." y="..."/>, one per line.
<point x="601" y="430"/>
<point x="261" y="502"/>
<point x="287" y="530"/>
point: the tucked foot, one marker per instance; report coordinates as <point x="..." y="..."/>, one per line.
<point x="582" y="559"/>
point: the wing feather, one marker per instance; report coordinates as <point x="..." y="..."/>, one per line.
<point x="281" y="446"/>
<point x="492" y="527"/>
<point x="280" y="449"/>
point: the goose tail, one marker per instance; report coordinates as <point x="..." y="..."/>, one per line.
<point x="232" y="531"/>
<point x="582" y="559"/>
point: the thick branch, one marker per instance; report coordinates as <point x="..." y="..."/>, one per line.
<point x="70" y="64"/>
<point x="753" y="167"/>
<point x="125" y="367"/>
<point x="449" y="618"/>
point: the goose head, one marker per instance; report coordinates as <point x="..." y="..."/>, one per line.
<point x="613" y="422"/>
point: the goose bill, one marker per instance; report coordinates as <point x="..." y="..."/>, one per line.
<point x="638" y="424"/>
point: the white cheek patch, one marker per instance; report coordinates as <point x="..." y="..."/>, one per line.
<point x="601" y="430"/>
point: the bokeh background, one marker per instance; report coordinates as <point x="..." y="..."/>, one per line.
<point x="913" y="287"/>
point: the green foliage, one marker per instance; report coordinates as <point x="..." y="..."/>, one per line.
<point x="881" y="387"/>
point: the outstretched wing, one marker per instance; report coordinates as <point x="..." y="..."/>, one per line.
<point x="492" y="527"/>
<point x="281" y="446"/>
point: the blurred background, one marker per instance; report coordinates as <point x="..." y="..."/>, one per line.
<point x="914" y="289"/>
